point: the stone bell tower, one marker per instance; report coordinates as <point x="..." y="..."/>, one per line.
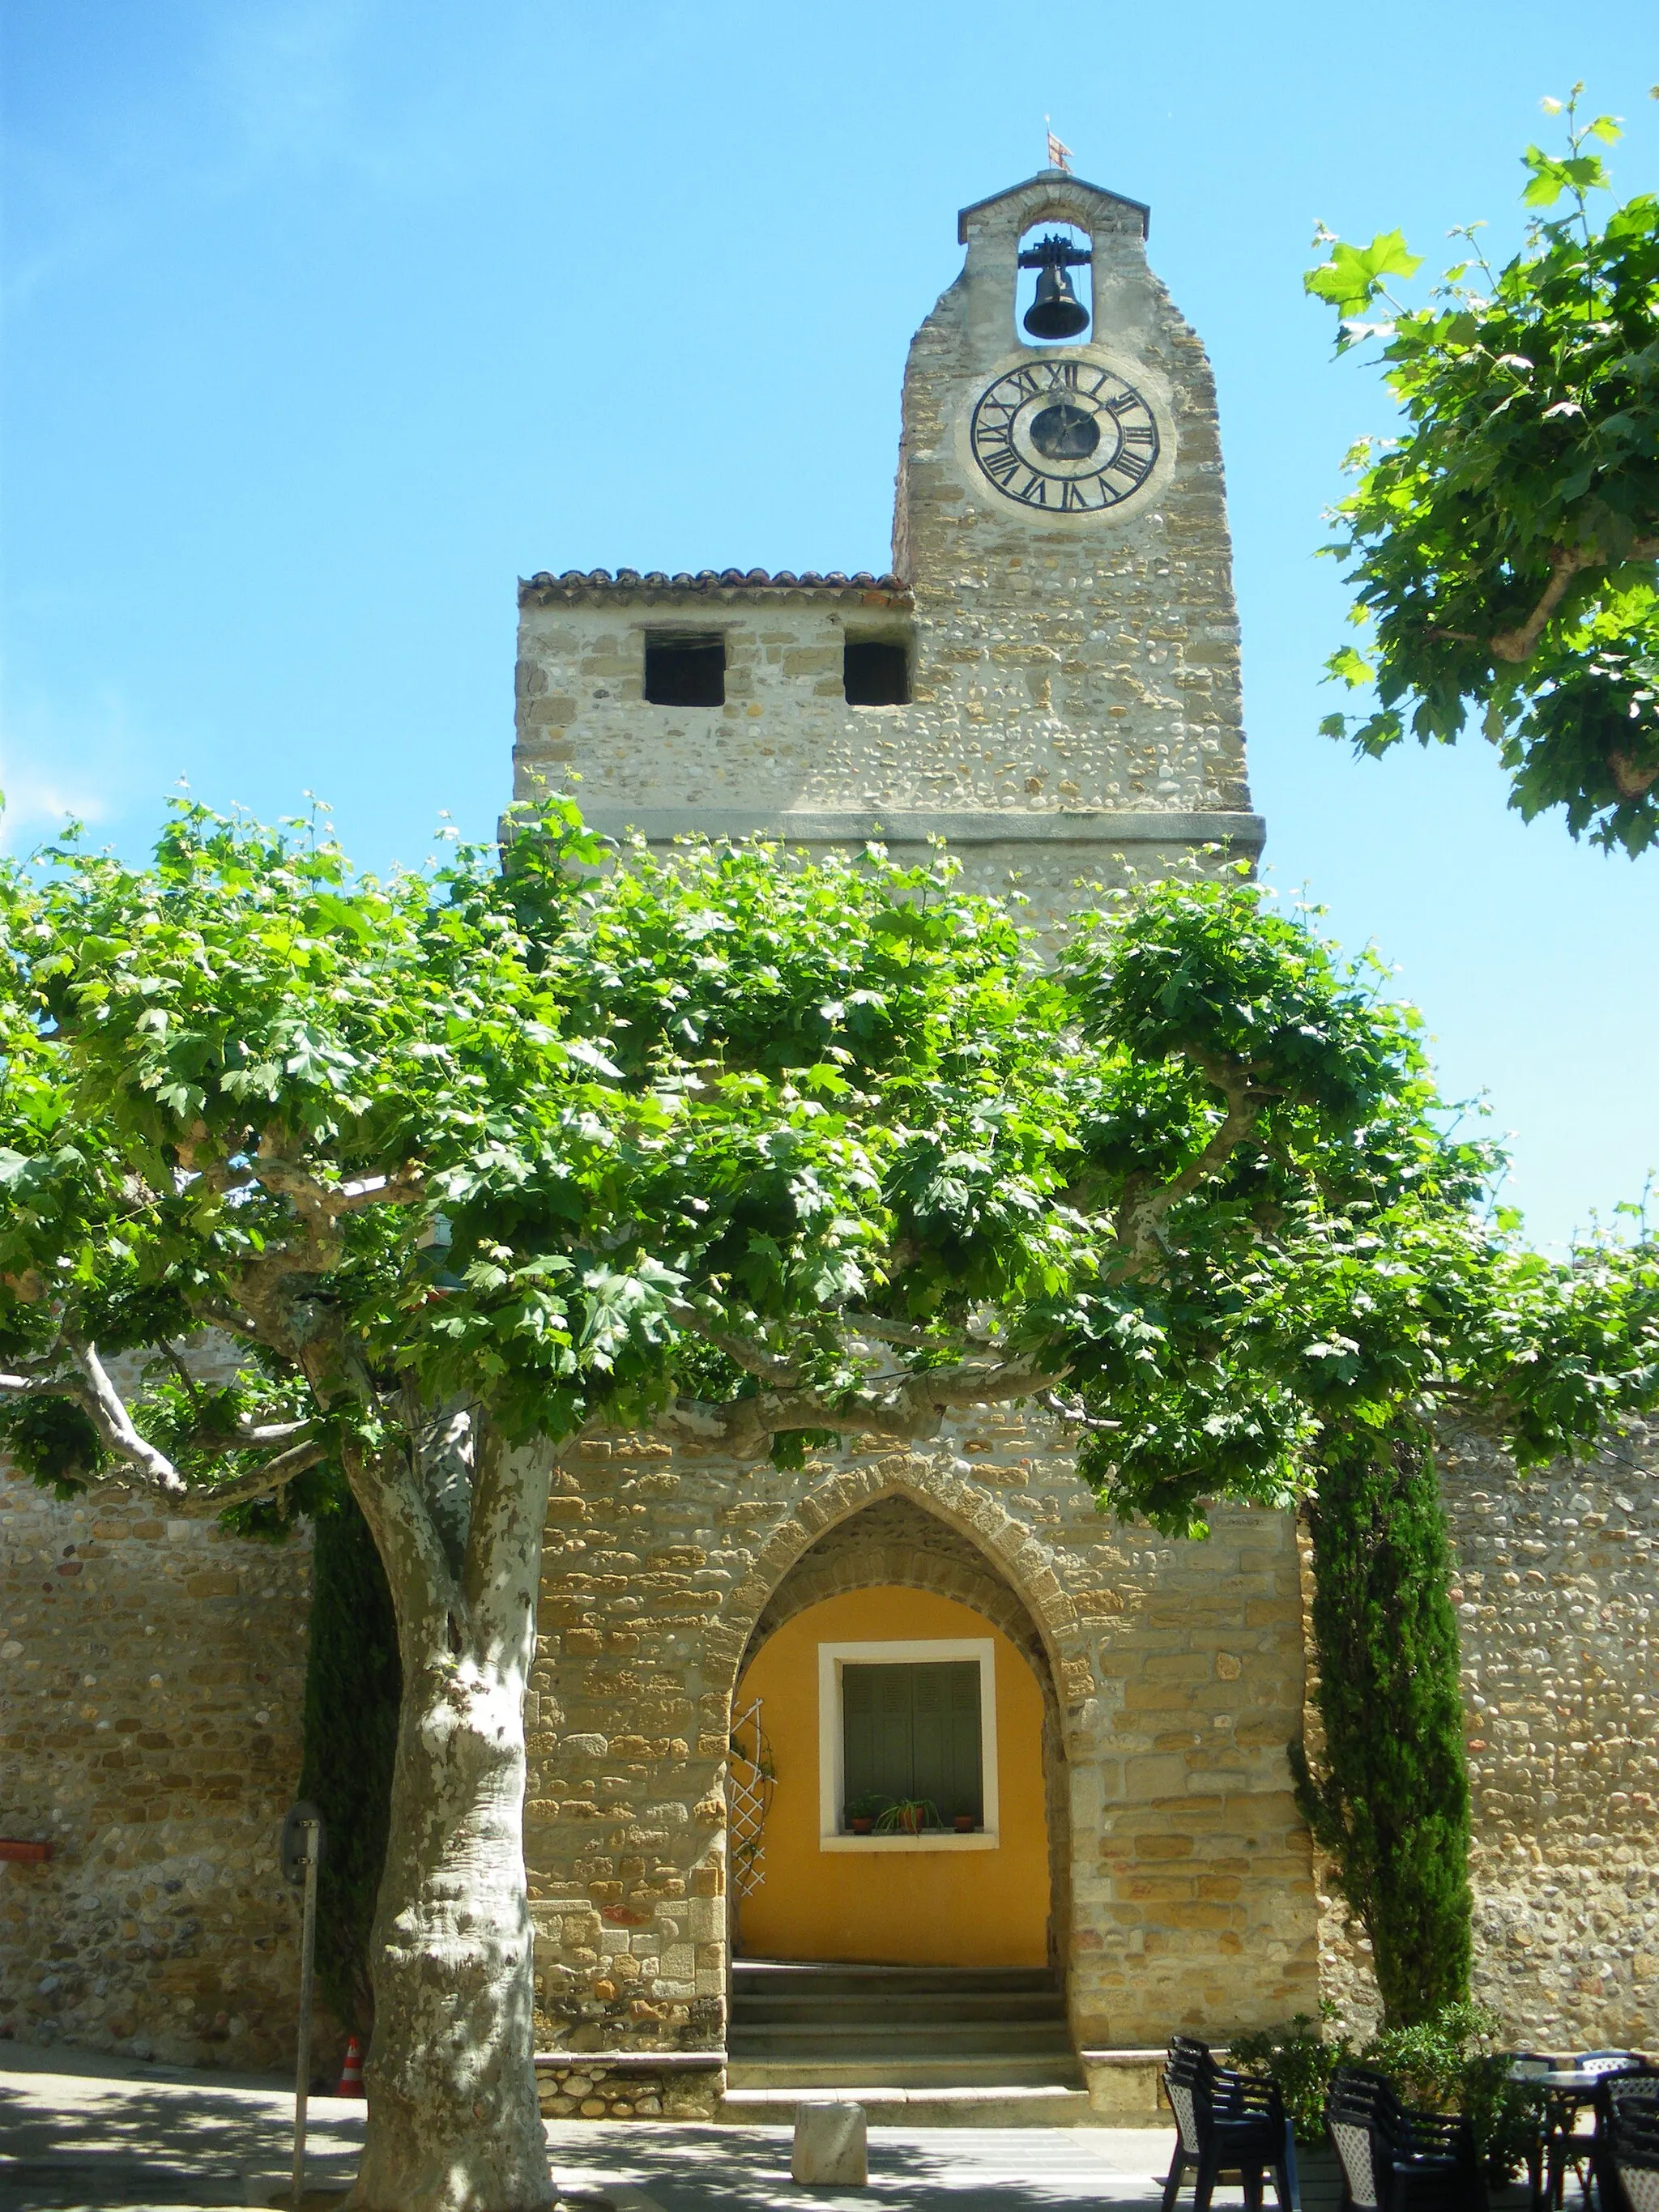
<point x="1048" y="678"/>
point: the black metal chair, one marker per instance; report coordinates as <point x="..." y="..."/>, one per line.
<point x="1395" y="2159"/>
<point x="1225" y="2121"/>
<point x="1625" y="2152"/>
<point x="1561" y="2143"/>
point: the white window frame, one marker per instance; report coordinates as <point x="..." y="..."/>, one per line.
<point x="832" y="1741"/>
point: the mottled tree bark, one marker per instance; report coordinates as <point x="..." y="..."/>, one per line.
<point x="453" y="2122"/>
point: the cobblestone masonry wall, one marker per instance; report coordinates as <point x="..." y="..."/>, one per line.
<point x="1557" y="1595"/>
<point x="151" y="1679"/>
<point x="161" y="1926"/>
<point x="1178" y="1670"/>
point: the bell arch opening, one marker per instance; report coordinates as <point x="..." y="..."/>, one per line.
<point x="893" y="1666"/>
<point x="1054" y="287"/>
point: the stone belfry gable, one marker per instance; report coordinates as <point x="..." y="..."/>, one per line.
<point x="1063" y="627"/>
<point x="1111" y="634"/>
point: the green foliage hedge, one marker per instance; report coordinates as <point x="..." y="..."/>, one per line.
<point x="1450" y="2063"/>
<point x="353" y="1683"/>
<point x="1391" y="1804"/>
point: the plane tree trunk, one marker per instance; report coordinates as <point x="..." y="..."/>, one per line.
<point x="453" y="2122"/>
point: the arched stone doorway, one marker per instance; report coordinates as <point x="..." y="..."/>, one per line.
<point x="895" y="1638"/>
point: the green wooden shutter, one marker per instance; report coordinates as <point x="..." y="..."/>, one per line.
<point x="914" y="1731"/>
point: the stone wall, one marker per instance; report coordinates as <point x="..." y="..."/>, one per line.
<point x="628" y="2090"/>
<point x="1558" y="1595"/>
<point x="151" y="1678"/>
<point x="1177" y="1670"/>
<point x="783" y="758"/>
<point x="151" y="1673"/>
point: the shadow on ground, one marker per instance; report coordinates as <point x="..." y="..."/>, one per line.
<point x="698" y="2169"/>
<point x="156" y="2137"/>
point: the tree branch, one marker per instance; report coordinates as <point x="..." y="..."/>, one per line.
<point x="103" y="1404"/>
<point x="202" y="1504"/>
<point x="898" y="1332"/>
<point x="1566" y="562"/>
<point x="911" y="1410"/>
<point x="1137" y="1217"/>
<point x="321" y="1202"/>
<point x="220" y="1315"/>
<point x="1629" y="781"/>
<point x="1076" y="1414"/>
<point x="87" y="1384"/>
<point x="249" y="1435"/>
<point x="402" y="1187"/>
<point x="754" y="1358"/>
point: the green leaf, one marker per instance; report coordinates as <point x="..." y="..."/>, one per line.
<point x="1354" y="277"/>
<point x="1551" y="176"/>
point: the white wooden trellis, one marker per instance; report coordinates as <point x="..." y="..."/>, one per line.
<point x="752" y="1785"/>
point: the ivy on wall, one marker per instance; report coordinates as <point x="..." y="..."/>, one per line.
<point x="353" y="1682"/>
<point x="1390" y="1803"/>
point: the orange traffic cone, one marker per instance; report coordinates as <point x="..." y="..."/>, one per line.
<point x="351" y="2074"/>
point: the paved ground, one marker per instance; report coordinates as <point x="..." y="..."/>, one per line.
<point x="695" y="2169"/>
<point x="81" y="2131"/>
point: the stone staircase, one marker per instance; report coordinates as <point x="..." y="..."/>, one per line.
<point x="943" y="2046"/>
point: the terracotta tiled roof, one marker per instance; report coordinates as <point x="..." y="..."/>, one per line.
<point x="578" y="583"/>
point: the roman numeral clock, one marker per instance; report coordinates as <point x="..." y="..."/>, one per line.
<point x="1064" y="433"/>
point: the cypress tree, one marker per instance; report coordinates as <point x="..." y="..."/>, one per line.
<point x="1391" y="1804"/>
<point x="353" y="1682"/>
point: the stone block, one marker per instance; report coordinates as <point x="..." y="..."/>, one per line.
<point x="830" y="2148"/>
<point x="1158" y="1775"/>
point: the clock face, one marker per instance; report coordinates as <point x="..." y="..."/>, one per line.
<point x="1065" y="435"/>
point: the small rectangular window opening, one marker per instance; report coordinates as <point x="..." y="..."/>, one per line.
<point x="683" y="670"/>
<point x="912" y="1733"/>
<point x="878" y="673"/>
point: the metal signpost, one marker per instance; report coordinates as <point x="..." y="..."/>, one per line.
<point x="303" y="1852"/>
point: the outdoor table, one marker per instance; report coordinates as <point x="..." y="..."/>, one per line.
<point x="1567" y="2089"/>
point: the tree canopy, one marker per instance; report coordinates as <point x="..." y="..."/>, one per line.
<point x="743" y="1149"/>
<point x="1503" y="543"/>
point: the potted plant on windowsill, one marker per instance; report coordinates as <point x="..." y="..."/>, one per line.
<point x="909" y="1816"/>
<point x="965" y="1823"/>
<point x="863" y="1813"/>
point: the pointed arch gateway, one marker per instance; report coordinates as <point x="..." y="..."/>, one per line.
<point x="894" y="1655"/>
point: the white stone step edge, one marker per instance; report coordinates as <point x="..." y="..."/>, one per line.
<point x="1015" y="2107"/>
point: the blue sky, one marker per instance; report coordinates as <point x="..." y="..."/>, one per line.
<point x="326" y="318"/>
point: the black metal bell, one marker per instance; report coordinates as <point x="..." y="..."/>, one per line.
<point x="1056" y="312"/>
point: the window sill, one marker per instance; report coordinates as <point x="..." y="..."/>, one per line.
<point x="982" y="1839"/>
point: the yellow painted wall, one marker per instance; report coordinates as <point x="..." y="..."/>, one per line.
<point x="986" y="1908"/>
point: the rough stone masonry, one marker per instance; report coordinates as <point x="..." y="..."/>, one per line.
<point x="162" y="1927"/>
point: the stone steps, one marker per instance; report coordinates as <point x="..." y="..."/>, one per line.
<point x="939" y="2046"/>
<point x="941" y="2007"/>
<point x="839" y="2039"/>
<point x="761" y="1977"/>
<point x="1001" y="2070"/>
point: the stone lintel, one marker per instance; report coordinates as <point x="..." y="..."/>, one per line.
<point x="915" y="825"/>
